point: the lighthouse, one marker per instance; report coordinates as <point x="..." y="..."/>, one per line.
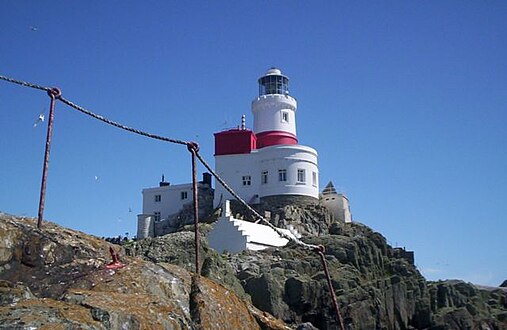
<point x="267" y="162"/>
<point x="274" y="111"/>
<point x="264" y="164"/>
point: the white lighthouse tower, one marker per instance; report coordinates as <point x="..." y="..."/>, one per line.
<point x="267" y="162"/>
<point x="274" y="111"/>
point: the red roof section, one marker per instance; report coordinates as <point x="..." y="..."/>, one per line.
<point x="235" y="141"/>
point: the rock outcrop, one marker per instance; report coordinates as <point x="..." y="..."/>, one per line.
<point x="57" y="277"/>
<point x="459" y="305"/>
<point x="377" y="287"/>
<point x="179" y="249"/>
<point x="374" y="290"/>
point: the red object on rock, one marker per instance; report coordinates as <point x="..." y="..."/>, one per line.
<point x="115" y="264"/>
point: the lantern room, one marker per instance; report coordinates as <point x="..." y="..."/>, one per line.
<point x="273" y="82"/>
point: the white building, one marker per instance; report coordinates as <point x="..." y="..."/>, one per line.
<point x="267" y="161"/>
<point x="336" y="203"/>
<point x="166" y="200"/>
<point x="264" y="163"/>
<point x="163" y="205"/>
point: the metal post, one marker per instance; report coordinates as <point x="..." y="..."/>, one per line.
<point x="54" y="93"/>
<point x="193" y="148"/>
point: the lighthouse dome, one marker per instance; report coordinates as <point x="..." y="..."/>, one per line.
<point x="273" y="71"/>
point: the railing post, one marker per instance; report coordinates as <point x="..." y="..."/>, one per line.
<point x="53" y="93"/>
<point x="193" y="148"/>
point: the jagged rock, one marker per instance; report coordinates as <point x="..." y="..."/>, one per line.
<point x="373" y="289"/>
<point x="459" y="305"/>
<point x="306" y="326"/>
<point x="11" y="293"/>
<point x="504" y="284"/>
<point x="376" y="287"/>
<point x="179" y="249"/>
<point x="56" y="276"/>
<point x="207" y="293"/>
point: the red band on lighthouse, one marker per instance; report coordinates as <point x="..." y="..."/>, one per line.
<point x="266" y="139"/>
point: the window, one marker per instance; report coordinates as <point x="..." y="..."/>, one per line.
<point x="282" y="175"/>
<point x="301" y="176"/>
<point x="314" y="179"/>
<point x="157" y="216"/>
<point x="264" y="177"/>
<point x="158" y="198"/>
<point x="184" y="195"/>
<point x="285" y="117"/>
<point x="247" y="180"/>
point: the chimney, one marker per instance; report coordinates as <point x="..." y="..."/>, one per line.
<point x="163" y="183"/>
<point x="206" y="178"/>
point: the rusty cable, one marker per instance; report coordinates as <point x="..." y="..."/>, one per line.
<point x="91" y="114"/>
<point x="121" y="126"/>
<point x="320" y="251"/>
<point x="26" y="84"/>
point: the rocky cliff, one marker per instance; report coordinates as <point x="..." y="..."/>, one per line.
<point x="377" y="288"/>
<point x="58" y="276"/>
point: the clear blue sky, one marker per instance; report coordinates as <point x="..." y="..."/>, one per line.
<point x="405" y="102"/>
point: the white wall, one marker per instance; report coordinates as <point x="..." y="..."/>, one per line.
<point x="225" y="236"/>
<point x="267" y="112"/>
<point x="170" y="202"/>
<point x="145" y="226"/>
<point x="339" y="205"/>
<point x="233" y="235"/>
<point x="231" y="168"/>
<point x="290" y="157"/>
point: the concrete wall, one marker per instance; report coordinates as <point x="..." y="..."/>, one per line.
<point x="145" y="226"/>
<point x="232" y="168"/>
<point x="292" y="158"/>
<point x="338" y="205"/>
<point x="267" y="111"/>
<point x="234" y="235"/>
<point x="225" y="237"/>
<point x="185" y="216"/>
<point x="175" y="212"/>
<point x="170" y="199"/>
